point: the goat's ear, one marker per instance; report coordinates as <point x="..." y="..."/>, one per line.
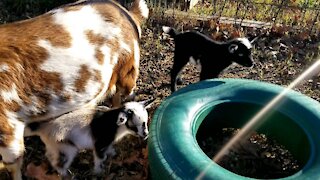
<point x="232" y="48"/>
<point x="100" y="111"/>
<point x="169" y="30"/>
<point x="131" y="97"/>
<point x="256" y="38"/>
<point x="166" y="29"/>
<point x="103" y="108"/>
<point x="147" y="103"/>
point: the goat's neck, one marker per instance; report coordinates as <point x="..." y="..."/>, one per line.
<point x="219" y="51"/>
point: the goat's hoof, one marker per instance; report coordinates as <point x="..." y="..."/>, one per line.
<point x="67" y="177"/>
<point x="98" y="171"/>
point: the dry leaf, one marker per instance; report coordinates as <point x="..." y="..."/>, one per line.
<point x="145" y="153"/>
<point x="40" y="172"/>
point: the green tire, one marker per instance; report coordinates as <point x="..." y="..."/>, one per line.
<point x="173" y="149"/>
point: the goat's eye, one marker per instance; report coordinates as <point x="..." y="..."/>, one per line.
<point x="240" y="54"/>
<point x="129" y="112"/>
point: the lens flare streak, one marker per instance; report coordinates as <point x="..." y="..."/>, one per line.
<point x="258" y="119"/>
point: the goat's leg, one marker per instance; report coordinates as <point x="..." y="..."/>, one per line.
<point x="178" y="64"/>
<point x="116" y="99"/>
<point x="100" y="157"/>
<point x="15" y="168"/>
<point x="98" y="163"/>
<point x="207" y="75"/>
<point x="61" y="157"/>
<point x="129" y="84"/>
<point x="12" y="148"/>
<point x="127" y="92"/>
<point x="66" y="155"/>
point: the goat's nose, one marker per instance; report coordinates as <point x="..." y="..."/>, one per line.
<point x="146" y="137"/>
<point x="145" y="134"/>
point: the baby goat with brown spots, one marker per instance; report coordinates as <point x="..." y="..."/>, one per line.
<point x="70" y="58"/>
<point x="97" y="129"/>
<point x="210" y="56"/>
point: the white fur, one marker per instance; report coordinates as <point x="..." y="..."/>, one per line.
<point x="121" y="132"/>
<point x="16" y="146"/>
<point x="11" y="95"/>
<point x="125" y="46"/>
<point x="81" y="52"/>
<point x="166" y="29"/>
<point x="136" y="53"/>
<point x="32" y="108"/>
<point x="197" y="63"/>
<point x="144" y="8"/>
<point x="192" y="60"/>
<point x="140" y="116"/>
<point x="246" y="42"/>
<point x="4" y="68"/>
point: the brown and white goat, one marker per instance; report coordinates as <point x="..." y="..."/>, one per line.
<point x="70" y="58"/>
<point x="97" y="129"/>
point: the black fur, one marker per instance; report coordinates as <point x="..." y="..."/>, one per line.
<point x="104" y="129"/>
<point x="62" y="159"/>
<point x="213" y="56"/>
<point x="34" y="126"/>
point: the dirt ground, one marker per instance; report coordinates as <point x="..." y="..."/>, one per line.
<point x="279" y="58"/>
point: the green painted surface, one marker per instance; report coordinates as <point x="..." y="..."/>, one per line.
<point x="173" y="149"/>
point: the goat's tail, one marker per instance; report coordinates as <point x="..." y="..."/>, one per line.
<point x="169" y="30"/>
<point x="140" y="10"/>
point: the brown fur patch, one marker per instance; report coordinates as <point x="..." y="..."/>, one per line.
<point x="25" y="56"/>
<point x="124" y="75"/>
<point x="100" y="56"/>
<point x="115" y="48"/>
<point x="52" y="80"/>
<point x="42" y="26"/>
<point x="81" y="82"/>
<point x="97" y="76"/>
<point x="95" y="39"/>
<point x="20" y="51"/>
<point x="13" y="106"/>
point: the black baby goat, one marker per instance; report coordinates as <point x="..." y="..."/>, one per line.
<point x="210" y="56"/>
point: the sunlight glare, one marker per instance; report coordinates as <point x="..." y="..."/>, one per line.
<point x="258" y="119"/>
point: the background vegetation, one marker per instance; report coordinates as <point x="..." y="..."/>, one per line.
<point x="12" y="10"/>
